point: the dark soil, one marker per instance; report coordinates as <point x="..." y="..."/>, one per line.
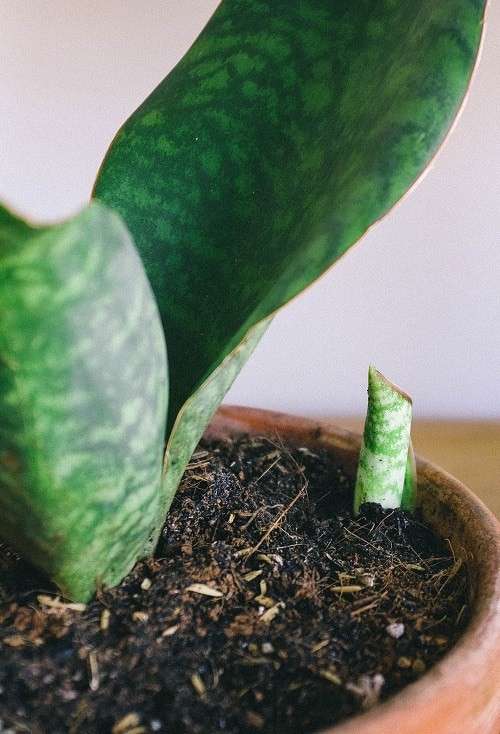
<point x="267" y="608"/>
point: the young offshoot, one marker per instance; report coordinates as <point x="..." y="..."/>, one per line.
<point x="386" y="469"/>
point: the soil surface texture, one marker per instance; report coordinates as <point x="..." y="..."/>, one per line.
<point x="266" y="609"/>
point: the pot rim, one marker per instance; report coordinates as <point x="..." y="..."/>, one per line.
<point x="463" y="687"/>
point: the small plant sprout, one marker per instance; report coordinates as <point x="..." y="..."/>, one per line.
<point x="386" y="469"/>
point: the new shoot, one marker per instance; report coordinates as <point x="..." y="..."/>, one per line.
<point x="386" y="469"/>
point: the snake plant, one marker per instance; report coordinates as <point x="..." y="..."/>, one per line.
<point x="286" y="131"/>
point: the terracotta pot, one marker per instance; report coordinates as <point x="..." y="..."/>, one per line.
<point x="461" y="694"/>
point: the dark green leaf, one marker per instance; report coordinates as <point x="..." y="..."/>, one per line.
<point x="82" y="398"/>
<point x="281" y="136"/>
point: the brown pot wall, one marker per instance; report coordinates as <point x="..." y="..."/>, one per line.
<point x="461" y="694"/>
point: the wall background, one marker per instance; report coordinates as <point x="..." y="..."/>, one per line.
<point x="420" y="297"/>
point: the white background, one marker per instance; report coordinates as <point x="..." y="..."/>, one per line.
<point x="419" y="297"/>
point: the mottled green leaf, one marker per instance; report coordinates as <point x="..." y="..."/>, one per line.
<point x="82" y="398"/>
<point x="385" y="469"/>
<point x="282" y="135"/>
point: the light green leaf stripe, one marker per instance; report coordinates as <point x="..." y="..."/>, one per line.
<point x="384" y="452"/>
<point x="410" y="483"/>
<point x="83" y="389"/>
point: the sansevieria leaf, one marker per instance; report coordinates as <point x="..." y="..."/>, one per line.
<point x="385" y="470"/>
<point x="289" y="127"/>
<point x="82" y="398"/>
